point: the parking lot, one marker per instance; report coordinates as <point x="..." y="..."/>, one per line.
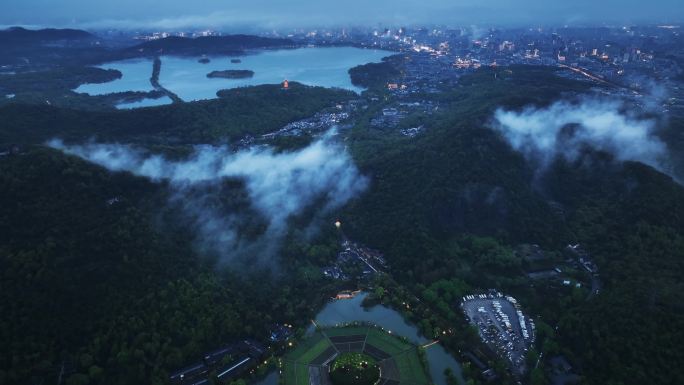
<point x="501" y="325"/>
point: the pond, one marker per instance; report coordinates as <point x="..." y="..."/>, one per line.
<point x="186" y="77"/>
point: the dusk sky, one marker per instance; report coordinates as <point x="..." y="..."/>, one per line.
<point x="271" y="13"/>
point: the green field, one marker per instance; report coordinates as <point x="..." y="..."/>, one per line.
<point x="289" y="374"/>
<point x="386" y="342"/>
<point x="346" y="331"/>
<point x="314" y="351"/>
<point x="410" y="368"/>
<point x="317" y="341"/>
<point x="302" y="374"/>
<point x="297" y="362"/>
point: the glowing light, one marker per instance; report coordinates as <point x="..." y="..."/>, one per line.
<point x="338" y="224"/>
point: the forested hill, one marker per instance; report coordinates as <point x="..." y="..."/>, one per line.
<point x="236" y="113"/>
<point x="225" y="45"/>
<point x="48" y="48"/>
<point x="99" y="278"/>
<point x="450" y="205"/>
<point x="19" y="35"/>
<point x="70" y="47"/>
<point x="95" y="288"/>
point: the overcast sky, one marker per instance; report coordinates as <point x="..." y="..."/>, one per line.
<point x="288" y="13"/>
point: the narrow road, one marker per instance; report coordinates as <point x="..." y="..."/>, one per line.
<point x="593" y="77"/>
<point x="154" y="80"/>
<point x="595" y="286"/>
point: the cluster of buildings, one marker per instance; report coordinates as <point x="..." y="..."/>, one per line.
<point x="583" y="257"/>
<point x="391" y="116"/>
<point x="576" y="270"/>
<point x="320" y="122"/>
<point x="355" y="261"/>
<point x="280" y="332"/>
<point x="412" y="132"/>
<point x="626" y="55"/>
<point x="164" y="34"/>
<point x="222" y="365"/>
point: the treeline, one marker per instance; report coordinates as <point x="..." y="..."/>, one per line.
<point x="238" y="112"/>
<point x="57" y="80"/>
<point x="204" y="45"/>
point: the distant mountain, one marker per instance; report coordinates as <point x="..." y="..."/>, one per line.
<point x="207" y="45"/>
<point x="50" y="47"/>
<point x="23" y="35"/>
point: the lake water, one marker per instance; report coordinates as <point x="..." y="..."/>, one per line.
<point x="186" y="77"/>
<point x="135" y="77"/>
<point x="345" y="311"/>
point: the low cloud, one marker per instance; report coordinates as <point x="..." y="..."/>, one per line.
<point x="564" y="129"/>
<point x="279" y="186"/>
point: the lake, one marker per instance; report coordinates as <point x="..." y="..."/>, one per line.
<point x="186" y="77"/>
<point x="135" y="77"/>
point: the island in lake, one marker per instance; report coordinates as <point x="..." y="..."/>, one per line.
<point x="234" y="61"/>
<point x="231" y="74"/>
<point x="204" y="60"/>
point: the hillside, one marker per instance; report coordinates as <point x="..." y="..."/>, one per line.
<point x="450" y="205"/>
<point x="236" y="113"/>
<point x="448" y="208"/>
<point x="206" y="45"/>
<point x="19" y="35"/>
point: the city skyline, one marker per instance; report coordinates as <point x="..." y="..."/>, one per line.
<point x="263" y="14"/>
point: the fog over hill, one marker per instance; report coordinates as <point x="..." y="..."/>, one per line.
<point x="565" y="128"/>
<point x="279" y="186"/>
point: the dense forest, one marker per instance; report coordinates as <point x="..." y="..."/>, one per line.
<point x="100" y="278"/>
<point x="237" y="112"/>
<point x="375" y="74"/>
<point x="93" y="287"/>
<point x="453" y="203"/>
